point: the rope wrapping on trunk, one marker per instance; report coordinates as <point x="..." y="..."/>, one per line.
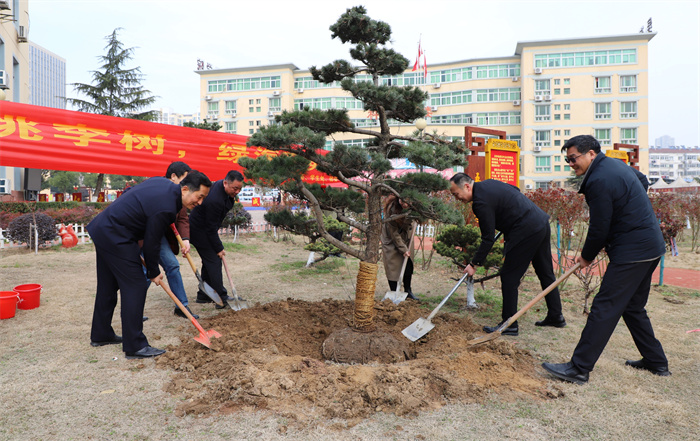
<point x="364" y="298"/>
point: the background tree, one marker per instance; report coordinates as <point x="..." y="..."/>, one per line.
<point x="215" y="126"/>
<point x="116" y="90"/>
<point x="365" y="170"/>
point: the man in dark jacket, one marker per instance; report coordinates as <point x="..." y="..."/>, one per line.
<point x="205" y="221"/>
<point x="500" y="206"/>
<point x="143" y="213"/>
<point x="622" y="221"/>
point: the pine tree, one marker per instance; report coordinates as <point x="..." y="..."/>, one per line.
<point x="116" y="90"/>
<point x="364" y="169"/>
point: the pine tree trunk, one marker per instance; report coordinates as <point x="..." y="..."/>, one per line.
<point x="364" y="314"/>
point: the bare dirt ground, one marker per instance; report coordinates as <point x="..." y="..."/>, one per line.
<point x="265" y="377"/>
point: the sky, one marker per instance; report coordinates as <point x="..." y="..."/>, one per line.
<point x="169" y="36"/>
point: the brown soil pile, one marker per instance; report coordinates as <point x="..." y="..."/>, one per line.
<point x="270" y="357"/>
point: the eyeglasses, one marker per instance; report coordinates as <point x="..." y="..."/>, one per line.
<point x="572" y="159"/>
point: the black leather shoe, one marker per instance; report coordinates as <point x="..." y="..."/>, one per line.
<point x="567" y="372"/>
<point x="511" y="330"/>
<point x="147" y="352"/>
<point x="412" y="296"/>
<point x="115" y="341"/>
<point x="203" y="298"/>
<point x="224" y="306"/>
<point x="661" y="371"/>
<point x="557" y="322"/>
<point x="179" y="313"/>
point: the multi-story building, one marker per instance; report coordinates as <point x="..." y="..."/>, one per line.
<point x="664" y="142"/>
<point x="673" y="163"/>
<point x="166" y="115"/>
<point x="14" y="78"/>
<point x="47" y="78"/>
<point x="543" y="94"/>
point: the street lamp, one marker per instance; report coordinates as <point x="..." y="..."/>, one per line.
<point x="421" y="124"/>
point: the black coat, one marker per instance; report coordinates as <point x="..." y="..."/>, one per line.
<point x="142" y="213"/>
<point x="622" y="218"/>
<point x="205" y="219"/>
<point x="500" y="206"/>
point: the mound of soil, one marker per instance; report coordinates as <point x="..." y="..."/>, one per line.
<point x="270" y="357"/>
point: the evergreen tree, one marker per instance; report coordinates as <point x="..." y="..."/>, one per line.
<point x="116" y="90"/>
<point x="363" y="169"/>
<point x="215" y="126"/>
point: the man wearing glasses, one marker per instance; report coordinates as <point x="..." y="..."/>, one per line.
<point x="622" y="220"/>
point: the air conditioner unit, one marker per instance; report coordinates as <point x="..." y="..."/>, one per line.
<point x="300" y="90"/>
<point x="4" y="4"/>
<point x="270" y="114"/>
<point x="538" y="70"/>
<point x="548" y="97"/>
<point x="433" y="108"/>
<point x="276" y="93"/>
<point x="233" y="114"/>
<point x="5" y="186"/>
<point x="537" y="148"/>
<point x="22" y="34"/>
<point x="208" y="97"/>
<point x="3" y="80"/>
<point x="436" y="85"/>
<point x="516" y="102"/>
<point x="528" y="186"/>
<point x="516" y="79"/>
<point x="538" y="97"/>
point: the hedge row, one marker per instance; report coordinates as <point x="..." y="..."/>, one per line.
<point x="62" y="212"/>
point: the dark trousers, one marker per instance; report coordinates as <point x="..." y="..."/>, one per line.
<point x="211" y="270"/>
<point x="115" y="274"/>
<point x="533" y="248"/>
<point x="623" y="292"/>
<point x="407" y="276"/>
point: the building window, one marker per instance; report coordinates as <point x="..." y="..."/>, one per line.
<point x="258" y="101"/>
<point x="251" y="109"/>
<point x="628" y="110"/>
<point x="567" y="91"/>
<point x="542" y="113"/>
<point x="557" y="168"/>
<point x="543" y="164"/>
<point x="573" y="59"/>
<point x="628" y="83"/>
<point x="230" y="127"/>
<point x="557" y="133"/>
<point x="603" y="136"/>
<point x="275" y="105"/>
<point x="557" y="107"/>
<point x="567" y="106"/>
<point x="230" y="107"/>
<point x="557" y="91"/>
<point x="567" y="116"/>
<point x="542" y="138"/>
<point x="542" y="87"/>
<point x="602" y="85"/>
<point x="251" y="123"/>
<point x="556" y="82"/>
<point x="567" y="132"/>
<point x="258" y="109"/>
<point x="557" y="117"/>
<point x="251" y="102"/>
<point x="567" y="80"/>
<point x="251" y="131"/>
<point x="212" y="109"/>
<point x="628" y="136"/>
<point x="557" y="143"/>
<point x="602" y="111"/>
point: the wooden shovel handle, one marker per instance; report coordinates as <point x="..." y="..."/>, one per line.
<point x="182" y="246"/>
<point x="399" y="283"/>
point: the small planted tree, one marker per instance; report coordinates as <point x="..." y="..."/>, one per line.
<point x="22" y="229"/>
<point x="300" y="135"/>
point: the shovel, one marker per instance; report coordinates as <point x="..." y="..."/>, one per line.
<point x="422" y="326"/>
<point x="204" y="336"/>
<point x="399" y="296"/>
<point x="238" y="303"/>
<point x="497" y="333"/>
<point x="203" y="286"/>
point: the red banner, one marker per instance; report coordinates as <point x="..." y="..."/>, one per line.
<point x="55" y="139"/>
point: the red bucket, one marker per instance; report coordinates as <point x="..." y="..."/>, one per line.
<point x="28" y="295"/>
<point x="8" y="304"/>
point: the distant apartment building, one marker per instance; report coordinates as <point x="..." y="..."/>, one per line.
<point x="47" y="78"/>
<point x="543" y="94"/>
<point x="664" y="142"/>
<point x="674" y="163"/>
<point x="166" y="115"/>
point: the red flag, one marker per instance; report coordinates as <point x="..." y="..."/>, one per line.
<point x="421" y="63"/>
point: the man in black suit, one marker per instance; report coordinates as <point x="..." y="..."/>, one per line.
<point x="205" y="221"/>
<point x="525" y="227"/>
<point x="622" y="221"/>
<point x="143" y="213"/>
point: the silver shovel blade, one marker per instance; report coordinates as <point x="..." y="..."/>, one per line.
<point x="418" y="329"/>
<point x="395" y="296"/>
<point x="209" y="291"/>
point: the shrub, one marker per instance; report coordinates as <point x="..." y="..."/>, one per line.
<point x="459" y="243"/>
<point x="19" y="230"/>
<point x="237" y="217"/>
